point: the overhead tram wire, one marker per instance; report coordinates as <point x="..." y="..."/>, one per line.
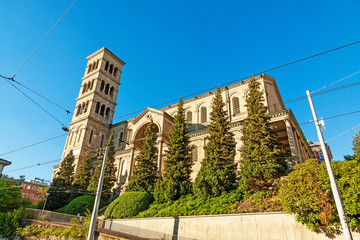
<point x="41" y="42"/>
<point x="31" y="166"/>
<point x="37" y="104"/>
<point x="31" y="145"/>
<point x="343" y="133"/>
<point x="336" y="116"/>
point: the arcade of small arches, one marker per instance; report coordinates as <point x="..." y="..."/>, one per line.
<point x="102" y="110"/>
<point x="204" y="112"/>
<point x="88" y="86"/>
<point x="82" y="108"/>
<point x="108" y="67"/>
<point x="107" y="89"/>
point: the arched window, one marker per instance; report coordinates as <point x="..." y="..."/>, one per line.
<point x="115" y="72"/>
<point x="91" y="134"/>
<point x="102" y="110"/>
<point x="189" y="117"/>
<point x="111" y="69"/>
<point x="102" y="85"/>
<point x="107" y="112"/>
<point x="86" y="106"/>
<point x="203" y="114"/>
<point x="194" y="154"/>
<point x="111" y="93"/>
<point x="97" y="108"/>
<point x="78" y="110"/>
<point x="107" y="89"/>
<point x="84" y="88"/>
<point x="92" y="84"/>
<point x="236" y="105"/>
<point x="121" y="138"/>
<point x="88" y="86"/>
<point x="89" y="68"/>
<point x="106" y="65"/>
<point x="97" y="64"/>
<point x="82" y="108"/>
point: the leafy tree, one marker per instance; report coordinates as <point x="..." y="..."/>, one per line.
<point x="145" y="170"/>
<point x="217" y="172"/>
<point x="10" y="196"/>
<point x="178" y="165"/>
<point x="66" y="170"/>
<point x="109" y="173"/>
<point x="59" y="194"/>
<point x="262" y="159"/>
<point x="355" y="148"/>
<point x="306" y="193"/>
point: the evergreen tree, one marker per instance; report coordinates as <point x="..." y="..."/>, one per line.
<point x="66" y="170"/>
<point x="82" y="178"/>
<point x="145" y="169"/>
<point x="217" y="172"/>
<point x="59" y="194"/>
<point x="178" y="165"/>
<point x="109" y="173"/>
<point x="262" y="159"/>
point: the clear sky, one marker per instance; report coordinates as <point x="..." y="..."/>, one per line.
<point x="172" y="48"/>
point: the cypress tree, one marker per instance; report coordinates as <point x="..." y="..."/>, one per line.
<point x="82" y="178"/>
<point x="217" y="172"/>
<point x="262" y="159"/>
<point x="66" y="169"/>
<point x="178" y="165"/>
<point x="109" y="173"/>
<point x="145" y="170"/>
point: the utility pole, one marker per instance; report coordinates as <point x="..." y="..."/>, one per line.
<point x="334" y="187"/>
<point x="97" y="198"/>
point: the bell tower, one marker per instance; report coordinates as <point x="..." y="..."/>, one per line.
<point x="95" y="105"/>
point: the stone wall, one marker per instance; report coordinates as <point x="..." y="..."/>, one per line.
<point x="236" y="226"/>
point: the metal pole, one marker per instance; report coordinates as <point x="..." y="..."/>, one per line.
<point x="97" y="198"/>
<point x="334" y="187"/>
<point x="46" y="196"/>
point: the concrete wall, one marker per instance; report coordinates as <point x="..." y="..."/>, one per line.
<point x="269" y="226"/>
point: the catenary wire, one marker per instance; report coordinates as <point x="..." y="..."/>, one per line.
<point x="27" y="59"/>
<point x="31" y="145"/>
<point x="336" y="116"/>
<point x="37" y="104"/>
<point x="343" y="133"/>
<point x="31" y="166"/>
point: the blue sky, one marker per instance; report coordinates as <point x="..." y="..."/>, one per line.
<point x="172" y="48"/>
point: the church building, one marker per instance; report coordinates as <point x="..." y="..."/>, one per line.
<point x="92" y="122"/>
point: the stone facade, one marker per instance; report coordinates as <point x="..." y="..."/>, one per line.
<point x="91" y="125"/>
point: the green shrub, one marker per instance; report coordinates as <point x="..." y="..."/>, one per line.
<point x="192" y="205"/>
<point x="128" y="205"/>
<point x="10" y="196"/>
<point x="9" y="222"/>
<point x="80" y="204"/>
<point x="306" y="193"/>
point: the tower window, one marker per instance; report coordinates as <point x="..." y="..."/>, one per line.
<point x="84" y="88"/>
<point x="102" y="85"/>
<point x="107" y="89"/>
<point x="203" y="114"/>
<point x="78" y="110"/>
<point x="115" y="72"/>
<point x="97" y="64"/>
<point x="92" y="84"/>
<point x="102" y="140"/>
<point x="111" y="93"/>
<point x="111" y="69"/>
<point x="194" y="154"/>
<point x="106" y="65"/>
<point x="102" y="110"/>
<point x="91" y="134"/>
<point x="82" y="108"/>
<point x="86" y="106"/>
<point x="97" y="108"/>
<point x="236" y="105"/>
<point x="107" y="112"/>
<point x="89" y="68"/>
<point x="189" y="117"/>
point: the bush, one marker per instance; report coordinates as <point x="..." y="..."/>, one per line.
<point x="306" y="193"/>
<point x="9" y="222"/>
<point x="192" y="205"/>
<point x="128" y="205"/>
<point x="10" y="196"/>
<point x="80" y="204"/>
